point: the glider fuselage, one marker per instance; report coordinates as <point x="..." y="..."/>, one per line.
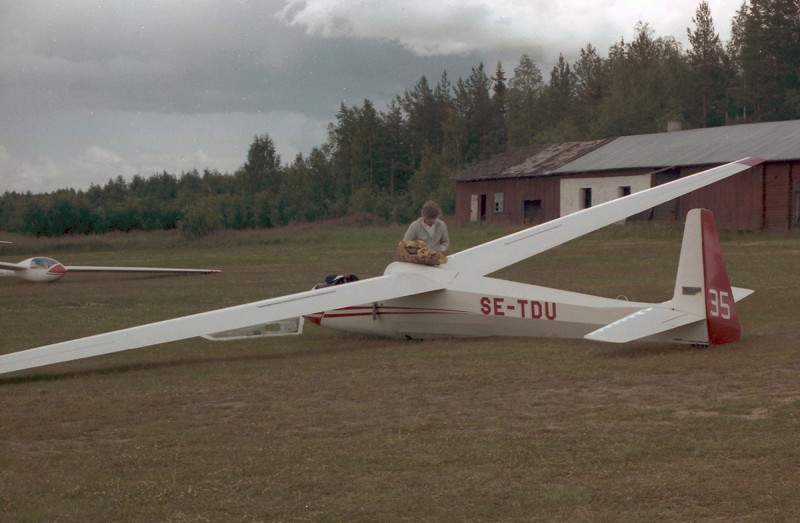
<point x="38" y="269"/>
<point x="530" y="311"/>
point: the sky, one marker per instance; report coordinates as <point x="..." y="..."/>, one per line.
<point x="92" y="90"/>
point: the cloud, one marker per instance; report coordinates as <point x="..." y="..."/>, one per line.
<point x="91" y="90"/>
<point x="451" y="27"/>
<point x="423" y="27"/>
<point x="20" y="175"/>
<point x="92" y="165"/>
<point x="150" y="143"/>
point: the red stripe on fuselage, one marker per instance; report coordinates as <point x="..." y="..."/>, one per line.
<point x="360" y="310"/>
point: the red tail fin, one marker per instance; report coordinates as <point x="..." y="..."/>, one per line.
<point x="723" y="322"/>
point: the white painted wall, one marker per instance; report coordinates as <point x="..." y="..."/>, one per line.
<point x="603" y="190"/>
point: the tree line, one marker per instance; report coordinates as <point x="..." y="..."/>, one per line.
<point x="387" y="162"/>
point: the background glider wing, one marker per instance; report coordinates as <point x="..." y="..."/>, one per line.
<point x="265" y="311"/>
<point x="502" y="252"/>
<point x="88" y="268"/>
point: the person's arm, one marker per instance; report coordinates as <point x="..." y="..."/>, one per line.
<point x="445" y="243"/>
<point x="411" y="232"/>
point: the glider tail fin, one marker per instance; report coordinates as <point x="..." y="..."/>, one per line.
<point x="702" y="286"/>
<point x="702" y="309"/>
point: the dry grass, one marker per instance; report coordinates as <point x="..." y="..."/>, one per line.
<point x="333" y="427"/>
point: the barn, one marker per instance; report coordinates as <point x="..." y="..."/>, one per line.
<point x="533" y="184"/>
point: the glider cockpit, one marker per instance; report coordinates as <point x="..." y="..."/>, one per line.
<point x="45" y="264"/>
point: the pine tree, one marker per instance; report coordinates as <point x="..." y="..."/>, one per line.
<point x="590" y="87"/>
<point x="523" y="97"/>
<point x="479" y="114"/>
<point x="646" y="85"/>
<point x="706" y="64"/>
<point x="424" y="116"/>
<point x="557" y="103"/>
<point x="765" y="46"/>
<point x="263" y="167"/>
<point x="498" y="133"/>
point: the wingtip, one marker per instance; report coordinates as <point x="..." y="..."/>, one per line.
<point x="751" y="161"/>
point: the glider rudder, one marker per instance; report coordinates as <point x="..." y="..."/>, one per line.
<point x="721" y="316"/>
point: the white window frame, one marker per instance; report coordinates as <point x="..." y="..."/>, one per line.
<point x="499" y="202"/>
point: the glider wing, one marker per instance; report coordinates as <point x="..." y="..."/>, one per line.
<point x="502" y="252"/>
<point x="265" y="311"/>
<point x="88" y="268"/>
<point x="11" y="266"/>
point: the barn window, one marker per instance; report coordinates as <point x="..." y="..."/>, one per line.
<point x="624" y="190"/>
<point x="586" y="197"/>
<point x="498" y="202"/>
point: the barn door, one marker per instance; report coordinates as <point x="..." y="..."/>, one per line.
<point x="777" y="190"/>
<point x="473" y="208"/>
<point x="797" y="205"/>
<point x="532" y="212"/>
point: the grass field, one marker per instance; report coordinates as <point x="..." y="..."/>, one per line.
<point x="335" y="427"/>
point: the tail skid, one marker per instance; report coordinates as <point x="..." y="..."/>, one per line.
<point x="703" y="306"/>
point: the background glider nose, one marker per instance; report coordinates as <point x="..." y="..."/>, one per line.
<point x="57" y="269"/>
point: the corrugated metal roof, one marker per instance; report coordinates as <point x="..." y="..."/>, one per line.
<point x="773" y="141"/>
<point x="533" y="160"/>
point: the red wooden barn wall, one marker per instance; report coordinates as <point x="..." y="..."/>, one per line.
<point x="765" y="197"/>
<point x="736" y="202"/>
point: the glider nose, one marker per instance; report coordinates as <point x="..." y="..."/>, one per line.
<point x="57" y="269"/>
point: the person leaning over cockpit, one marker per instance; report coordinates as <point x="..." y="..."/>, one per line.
<point x="429" y="228"/>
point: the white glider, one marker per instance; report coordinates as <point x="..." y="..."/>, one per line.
<point x="43" y="269"/>
<point x="457" y="299"/>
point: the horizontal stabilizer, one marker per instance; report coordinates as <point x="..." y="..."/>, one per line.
<point x="740" y="293"/>
<point x="643" y="323"/>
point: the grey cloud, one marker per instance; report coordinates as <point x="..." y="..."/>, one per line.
<point x="151" y="79"/>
